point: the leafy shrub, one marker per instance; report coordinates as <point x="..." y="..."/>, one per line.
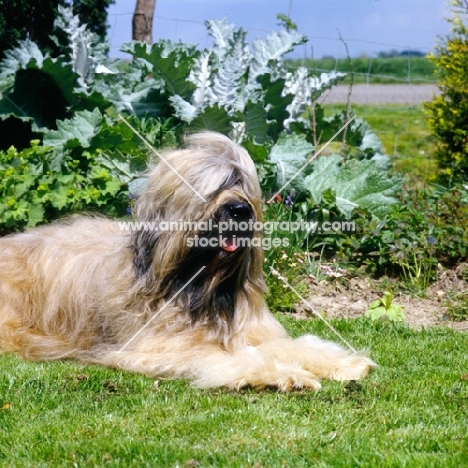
<point x="434" y="220"/>
<point x="34" y="189"/>
<point x="89" y="163"/>
<point x="448" y="112"/>
<point x="242" y="90"/>
<point x="423" y="229"/>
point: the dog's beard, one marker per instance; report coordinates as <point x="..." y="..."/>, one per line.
<point x="211" y="296"/>
<point x="224" y="259"/>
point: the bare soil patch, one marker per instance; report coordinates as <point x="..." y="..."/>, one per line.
<point x="351" y="298"/>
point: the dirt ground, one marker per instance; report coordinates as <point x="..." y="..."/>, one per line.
<point x="350" y="299"/>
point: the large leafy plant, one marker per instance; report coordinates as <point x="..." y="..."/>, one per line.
<point x="71" y="104"/>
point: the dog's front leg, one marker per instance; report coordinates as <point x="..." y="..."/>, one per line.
<point x="249" y="366"/>
<point x="321" y="358"/>
<point x="209" y="366"/>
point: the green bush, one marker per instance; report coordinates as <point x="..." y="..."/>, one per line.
<point x="425" y="228"/>
<point x="448" y="112"/>
<point x="34" y="188"/>
<point x="91" y="163"/>
<point x="244" y="91"/>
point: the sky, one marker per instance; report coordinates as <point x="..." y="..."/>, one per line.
<point x="367" y="26"/>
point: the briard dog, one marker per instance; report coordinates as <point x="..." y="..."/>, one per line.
<point x="176" y="303"/>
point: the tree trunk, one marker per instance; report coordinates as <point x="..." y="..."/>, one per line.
<point x="142" y="23"/>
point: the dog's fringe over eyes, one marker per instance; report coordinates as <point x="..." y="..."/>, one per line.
<point x="84" y="289"/>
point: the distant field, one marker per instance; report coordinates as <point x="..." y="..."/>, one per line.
<point x="376" y="70"/>
<point x="405" y="135"/>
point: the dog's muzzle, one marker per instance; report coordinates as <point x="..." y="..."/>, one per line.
<point x="240" y="217"/>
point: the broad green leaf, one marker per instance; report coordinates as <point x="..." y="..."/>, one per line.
<point x="355" y="183"/>
<point x="395" y="313"/>
<point x="76" y="131"/>
<point x="112" y="186"/>
<point x="42" y="94"/>
<point x="170" y="62"/>
<point x="375" y="304"/>
<point x="362" y="183"/>
<point x="59" y="197"/>
<point x="291" y="155"/>
<point x="35" y="214"/>
<point x="258" y="152"/>
<point x="325" y="171"/>
<point x="256" y="122"/>
<point x="124" y="167"/>
<point x="376" y="313"/>
<point x="117" y="137"/>
<point x="212" y="118"/>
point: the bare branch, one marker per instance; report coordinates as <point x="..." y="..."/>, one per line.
<point x="313" y="120"/>
<point x="350" y="87"/>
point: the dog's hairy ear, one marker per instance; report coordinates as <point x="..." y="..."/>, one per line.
<point x="143" y="244"/>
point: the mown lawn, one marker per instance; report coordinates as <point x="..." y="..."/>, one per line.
<point x="411" y="412"/>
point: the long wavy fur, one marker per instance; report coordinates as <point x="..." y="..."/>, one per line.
<point x="85" y="289"/>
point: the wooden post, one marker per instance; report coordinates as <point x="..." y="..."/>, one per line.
<point x="142" y="23"/>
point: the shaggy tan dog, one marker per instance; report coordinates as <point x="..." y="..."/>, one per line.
<point x="87" y="289"/>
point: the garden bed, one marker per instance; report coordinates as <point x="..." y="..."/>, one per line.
<point x="351" y="298"/>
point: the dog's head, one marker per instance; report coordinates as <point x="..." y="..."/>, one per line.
<point x="202" y="208"/>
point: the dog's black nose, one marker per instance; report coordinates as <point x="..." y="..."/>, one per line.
<point x="240" y="210"/>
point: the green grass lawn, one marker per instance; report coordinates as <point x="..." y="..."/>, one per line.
<point x="405" y="135"/>
<point x="411" y="412"/>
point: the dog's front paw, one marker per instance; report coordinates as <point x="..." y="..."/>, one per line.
<point x="352" y="367"/>
<point x="290" y="378"/>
